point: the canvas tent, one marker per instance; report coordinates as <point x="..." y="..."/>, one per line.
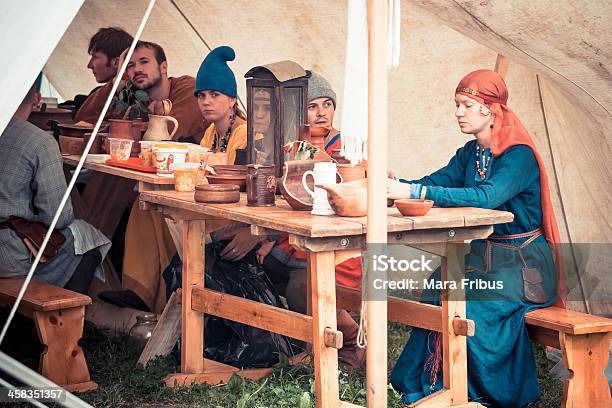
<point x="559" y="79"/>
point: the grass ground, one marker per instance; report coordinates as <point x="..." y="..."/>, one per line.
<point x="123" y="384"/>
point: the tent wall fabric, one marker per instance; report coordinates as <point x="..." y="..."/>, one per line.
<point x="559" y="80"/>
<point x="30" y="31"/>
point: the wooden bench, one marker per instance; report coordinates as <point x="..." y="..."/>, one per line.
<point x="59" y="315"/>
<point x="584" y="341"/>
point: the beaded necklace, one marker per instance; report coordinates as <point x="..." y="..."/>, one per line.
<point x="482" y="157"/>
<point x="224" y="139"/>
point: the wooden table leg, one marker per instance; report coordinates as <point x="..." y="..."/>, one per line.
<point x="586" y="357"/>
<point x="454" y="346"/>
<point x="192" y="326"/>
<point x="323" y="287"/>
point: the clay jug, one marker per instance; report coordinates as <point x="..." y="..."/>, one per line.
<point x="260" y="185"/>
<point x="158" y="128"/>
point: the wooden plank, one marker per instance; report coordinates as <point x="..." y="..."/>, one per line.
<point x="568" y="321"/>
<point x="275" y="218"/>
<point x="463" y="327"/>
<point x="166" y="332"/>
<point x="341" y="256"/>
<point x="439" y="235"/>
<point x="454" y="347"/>
<point x="266" y="317"/>
<point x="62" y="360"/>
<point x="150" y="178"/>
<point x="322" y="275"/>
<point x="436" y="400"/>
<point x="501" y="65"/>
<point x="586" y="357"/>
<point x="544" y="336"/>
<point x="399" y="310"/>
<point x="40" y="296"/>
<point x="192" y="325"/>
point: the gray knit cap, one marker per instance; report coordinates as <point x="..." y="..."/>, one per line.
<point x="318" y="87"/>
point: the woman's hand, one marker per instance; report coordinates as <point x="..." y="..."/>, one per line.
<point x="264" y="250"/>
<point x="397" y="190"/>
<point x="242" y="242"/>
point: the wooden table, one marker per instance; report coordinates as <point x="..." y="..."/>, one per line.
<point x="328" y="241"/>
<point x="109" y="191"/>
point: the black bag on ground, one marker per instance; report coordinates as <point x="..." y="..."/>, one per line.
<point x="227" y="341"/>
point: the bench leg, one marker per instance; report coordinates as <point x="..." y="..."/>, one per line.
<point x="62" y="360"/>
<point x="586" y="358"/>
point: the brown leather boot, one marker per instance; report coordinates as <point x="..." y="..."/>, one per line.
<point x="350" y="355"/>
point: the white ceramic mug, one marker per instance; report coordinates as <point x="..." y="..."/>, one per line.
<point x="323" y="173"/>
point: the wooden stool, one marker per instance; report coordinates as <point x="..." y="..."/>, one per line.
<point x="59" y="315"/>
<point x="584" y="340"/>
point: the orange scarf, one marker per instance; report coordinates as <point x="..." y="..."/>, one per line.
<point x="488" y="88"/>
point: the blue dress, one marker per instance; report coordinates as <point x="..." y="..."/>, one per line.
<point x="501" y="366"/>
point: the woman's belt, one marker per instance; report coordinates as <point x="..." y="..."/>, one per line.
<point x="491" y="242"/>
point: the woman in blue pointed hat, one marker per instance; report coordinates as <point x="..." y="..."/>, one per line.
<point x="216" y="91"/>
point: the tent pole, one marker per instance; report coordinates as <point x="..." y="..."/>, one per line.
<point x="376" y="381"/>
<point x="501" y="65"/>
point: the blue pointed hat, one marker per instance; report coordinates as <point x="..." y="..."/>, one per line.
<point x="214" y="73"/>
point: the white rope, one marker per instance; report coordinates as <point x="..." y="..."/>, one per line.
<point x="66" y="196"/>
<point x="354" y="133"/>
<point x="32" y="401"/>
<point x="394" y="18"/>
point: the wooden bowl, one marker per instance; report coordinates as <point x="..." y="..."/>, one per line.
<point x="413" y="207"/>
<point x="347" y="200"/>
<point x="239" y="180"/>
<point x="234" y="169"/>
<point x="71" y="145"/>
<point x="217" y="193"/>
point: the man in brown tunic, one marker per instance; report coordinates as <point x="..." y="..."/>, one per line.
<point x="148" y="71"/>
<point x="105" y="48"/>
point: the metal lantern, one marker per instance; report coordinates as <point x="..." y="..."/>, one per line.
<point x="277" y="96"/>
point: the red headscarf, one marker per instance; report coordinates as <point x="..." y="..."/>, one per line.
<point x="488" y="88"/>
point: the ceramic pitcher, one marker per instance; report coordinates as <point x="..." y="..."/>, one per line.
<point x="260" y="185"/>
<point x="323" y="173"/>
<point x="158" y="128"/>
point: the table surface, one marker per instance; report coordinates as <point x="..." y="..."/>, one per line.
<point x="282" y="218"/>
<point x="150" y="178"/>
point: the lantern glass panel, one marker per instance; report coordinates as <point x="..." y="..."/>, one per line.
<point x="264" y="118"/>
<point x="292" y="115"/>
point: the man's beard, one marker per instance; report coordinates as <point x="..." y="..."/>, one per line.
<point x="152" y="83"/>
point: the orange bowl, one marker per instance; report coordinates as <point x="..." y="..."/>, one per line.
<point x="413" y="207"/>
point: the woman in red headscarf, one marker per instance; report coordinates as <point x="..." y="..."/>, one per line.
<point x="509" y="273"/>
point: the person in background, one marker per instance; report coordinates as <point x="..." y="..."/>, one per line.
<point x="105" y="48"/>
<point x="32" y="185"/>
<point x="499" y="169"/>
<point x="216" y="93"/>
<point x="285" y="264"/>
<point x="148" y="71"/>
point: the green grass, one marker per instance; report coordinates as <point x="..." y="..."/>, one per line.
<point x="124" y="384"/>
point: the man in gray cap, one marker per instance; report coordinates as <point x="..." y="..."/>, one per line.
<point x="321" y="109"/>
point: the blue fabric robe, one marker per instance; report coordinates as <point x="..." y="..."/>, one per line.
<point x="501" y="366"/>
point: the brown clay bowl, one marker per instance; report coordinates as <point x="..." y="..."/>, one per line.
<point x="234" y="169"/>
<point x="78" y="129"/>
<point x="232" y="179"/>
<point x="217" y="193"/>
<point x="71" y="145"/>
<point x="413" y="207"/>
<point x="347" y="200"/>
